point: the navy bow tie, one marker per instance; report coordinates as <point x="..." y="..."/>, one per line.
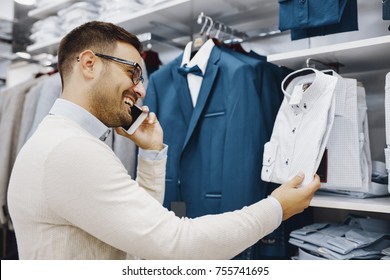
<point x="184" y="70"/>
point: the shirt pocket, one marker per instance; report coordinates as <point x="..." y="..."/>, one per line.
<point x="269" y="157"/>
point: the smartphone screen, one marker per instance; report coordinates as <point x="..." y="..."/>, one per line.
<point x="138" y="117"/>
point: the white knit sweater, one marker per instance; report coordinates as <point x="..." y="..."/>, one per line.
<point x="70" y="197"/>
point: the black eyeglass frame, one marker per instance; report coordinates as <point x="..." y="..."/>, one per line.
<point x="127" y="62"/>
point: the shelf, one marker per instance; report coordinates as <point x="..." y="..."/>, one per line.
<point x="362" y="55"/>
<point x="166" y="12"/>
<point x="167" y="19"/>
<point x="378" y="204"/>
<point x="50" y="9"/>
<point x="45" y="47"/>
<point x="138" y="22"/>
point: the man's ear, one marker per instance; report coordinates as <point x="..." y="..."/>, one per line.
<point x="87" y="63"/>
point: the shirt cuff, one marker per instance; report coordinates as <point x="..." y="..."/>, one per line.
<point x="153" y="154"/>
<point x="278" y="207"/>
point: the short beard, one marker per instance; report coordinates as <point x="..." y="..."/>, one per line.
<point x="106" y="109"/>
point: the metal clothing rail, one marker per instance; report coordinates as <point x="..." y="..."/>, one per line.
<point x="149" y="37"/>
<point x="311" y="62"/>
<point x="210" y="24"/>
<point x="235" y="35"/>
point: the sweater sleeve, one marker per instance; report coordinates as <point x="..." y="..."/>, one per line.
<point x="88" y="186"/>
<point x="146" y="174"/>
<point x="151" y="177"/>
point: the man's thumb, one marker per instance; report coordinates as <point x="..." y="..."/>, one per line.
<point x="298" y="179"/>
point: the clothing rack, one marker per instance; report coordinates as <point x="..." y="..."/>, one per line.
<point x="235" y="35"/>
<point x="148" y="38"/>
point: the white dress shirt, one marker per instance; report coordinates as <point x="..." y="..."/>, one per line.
<point x="364" y="144"/>
<point x="344" y="164"/>
<point x="201" y="59"/>
<point x="301" y="128"/>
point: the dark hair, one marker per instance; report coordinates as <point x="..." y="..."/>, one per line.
<point x="95" y="35"/>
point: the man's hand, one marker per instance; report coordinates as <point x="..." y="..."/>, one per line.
<point x="149" y="135"/>
<point x="295" y="199"/>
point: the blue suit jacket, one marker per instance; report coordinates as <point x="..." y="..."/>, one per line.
<point x="215" y="149"/>
<point x="268" y="81"/>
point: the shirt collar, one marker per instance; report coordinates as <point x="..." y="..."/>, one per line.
<point x="200" y="58"/>
<point x="303" y="87"/>
<point x="80" y="116"/>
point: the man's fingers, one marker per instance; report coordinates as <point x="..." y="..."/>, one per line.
<point x="297" y="180"/>
<point x="152" y="118"/>
<point x="315" y="184"/>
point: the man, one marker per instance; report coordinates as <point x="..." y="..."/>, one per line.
<point x="71" y="198"/>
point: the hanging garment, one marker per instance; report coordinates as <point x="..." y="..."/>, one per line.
<point x="385" y="9"/>
<point x="38" y="105"/>
<point x="268" y="78"/>
<point x="387" y="114"/>
<point x="215" y="139"/>
<point x="193" y="68"/>
<point x="10" y="121"/>
<point x="152" y="61"/>
<point x="301" y="128"/>
<point x="51" y="90"/>
<point x="29" y="107"/>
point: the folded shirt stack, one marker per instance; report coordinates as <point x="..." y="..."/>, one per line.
<point x="357" y="238"/>
<point x="77" y="14"/>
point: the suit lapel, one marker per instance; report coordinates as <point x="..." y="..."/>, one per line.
<point x="184" y="97"/>
<point x="205" y="90"/>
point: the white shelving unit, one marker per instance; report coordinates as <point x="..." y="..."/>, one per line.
<point x="362" y="55"/>
<point x="50" y="9"/>
<point x="379" y="204"/>
<point x="137" y="22"/>
<point x="357" y="56"/>
<point x="44" y="47"/>
<point x="174" y="14"/>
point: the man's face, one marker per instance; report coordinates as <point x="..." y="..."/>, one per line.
<point x="114" y="92"/>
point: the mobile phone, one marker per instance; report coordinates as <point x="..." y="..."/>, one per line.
<point x="138" y="117"/>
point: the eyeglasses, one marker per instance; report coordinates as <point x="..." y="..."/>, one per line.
<point x="136" y="74"/>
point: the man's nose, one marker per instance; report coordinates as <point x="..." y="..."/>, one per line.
<point x="139" y="89"/>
